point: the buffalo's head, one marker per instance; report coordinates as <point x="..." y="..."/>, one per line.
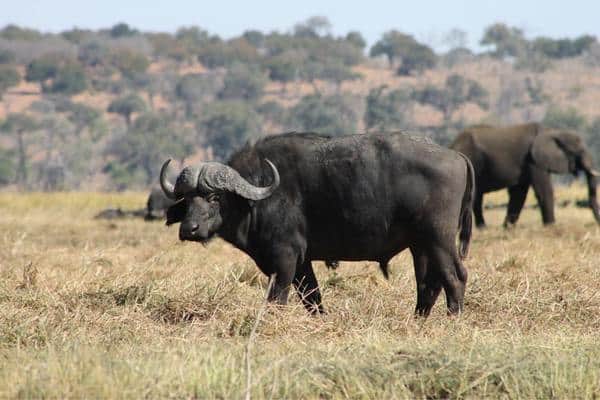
<point x="201" y="194"/>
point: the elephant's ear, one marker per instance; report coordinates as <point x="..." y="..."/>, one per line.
<point x="548" y="154"/>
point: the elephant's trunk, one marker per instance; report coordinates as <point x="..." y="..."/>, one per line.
<point x="592" y="182"/>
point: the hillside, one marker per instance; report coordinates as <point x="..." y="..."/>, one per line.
<point x="100" y="110"/>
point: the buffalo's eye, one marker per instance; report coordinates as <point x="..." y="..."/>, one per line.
<point x="212" y="198"/>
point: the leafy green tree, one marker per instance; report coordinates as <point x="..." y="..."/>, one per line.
<point x="417" y="59"/>
<point x="243" y="81"/>
<point x="315" y="26"/>
<point x="7" y="56"/>
<point x="192" y="39"/>
<point x="19" y="125"/>
<point x="387" y="111"/>
<point x="272" y="111"/>
<point x="333" y="115"/>
<point x="93" y="54"/>
<point x="77" y="35"/>
<point x="456" y="92"/>
<point x="129" y="62"/>
<point x="7" y="166"/>
<point x="507" y="41"/>
<point x="356" y="39"/>
<point x="227" y="125"/>
<point x="83" y="116"/>
<point x="9" y="77"/>
<point x="285" y="67"/>
<point x="43" y="69"/>
<point x="126" y="106"/>
<point x="122" y="30"/>
<point x="194" y="89"/>
<point x="140" y="152"/>
<point x="14" y="32"/>
<point x="397" y="45"/>
<point x="563" y="48"/>
<point x="69" y="80"/>
<point x="218" y="53"/>
<point x="255" y="38"/>
<point x="568" y="118"/>
<point x="166" y="45"/>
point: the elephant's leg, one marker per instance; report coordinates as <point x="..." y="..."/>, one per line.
<point x="428" y="280"/>
<point x="516" y="199"/>
<point x="478" y="210"/>
<point x="307" y="287"/>
<point x="542" y="186"/>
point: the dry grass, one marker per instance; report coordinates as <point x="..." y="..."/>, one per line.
<point x="122" y="309"/>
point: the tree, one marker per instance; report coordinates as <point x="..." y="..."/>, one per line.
<point x="568" y="119"/>
<point x="507" y="41"/>
<point x="456" y="39"/>
<point x="285" y="67"/>
<point x="130" y="63"/>
<point x="227" y="125"/>
<point x="243" y="81"/>
<point x="337" y="73"/>
<point x="83" y="116"/>
<point x="418" y="58"/>
<point x="562" y="48"/>
<point x="456" y="92"/>
<point x="397" y="45"/>
<point x="356" y="39"/>
<point x="14" y="32"/>
<point x="127" y="105"/>
<point x="7" y="56"/>
<point x="42" y="69"/>
<point x="255" y="38"/>
<point x="192" y="39"/>
<point x="313" y="27"/>
<point x="140" y="152"/>
<point x="122" y="30"/>
<point x="19" y="125"/>
<point x="196" y="88"/>
<point x="70" y="80"/>
<point x="217" y="53"/>
<point x="9" y="77"/>
<point x="333" y="115"/>
<point x="387" y="111"/>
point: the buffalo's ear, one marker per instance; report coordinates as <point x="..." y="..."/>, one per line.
<point x="548" y="154"/>
<point x="176" y="212"/>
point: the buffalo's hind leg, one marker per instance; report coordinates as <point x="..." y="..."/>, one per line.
<point x="428" y="280"/>
<point x="453" y="276"/>
<point x="307" y="287"/>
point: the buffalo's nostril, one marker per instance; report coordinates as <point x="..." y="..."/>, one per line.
<point x="194" y="229"/>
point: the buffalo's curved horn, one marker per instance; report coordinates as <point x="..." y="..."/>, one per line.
<point x="223" y="177"/>
<point x="167" y="186"/>
<point x="595" y="172"/>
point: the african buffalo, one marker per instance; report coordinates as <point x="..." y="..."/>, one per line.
<point x="293" y="198"/>
<point x="157" y="204"/>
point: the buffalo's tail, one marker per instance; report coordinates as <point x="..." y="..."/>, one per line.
<point x="465" y="223"/>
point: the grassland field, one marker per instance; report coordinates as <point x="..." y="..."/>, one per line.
<point x="122" y="309"/>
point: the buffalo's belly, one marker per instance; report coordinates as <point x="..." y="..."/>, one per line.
<point x="351" y="243"/>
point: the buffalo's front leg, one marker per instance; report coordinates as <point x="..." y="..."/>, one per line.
<point x="307" y="287"/>
<point x="281" y="268"/>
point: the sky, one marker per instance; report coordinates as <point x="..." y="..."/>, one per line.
<point x="427" y="20"/>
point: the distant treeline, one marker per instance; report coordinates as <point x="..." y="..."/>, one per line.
<point x="111" y="104"/>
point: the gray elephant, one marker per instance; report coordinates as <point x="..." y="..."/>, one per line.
<point x="519" y="156"/>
